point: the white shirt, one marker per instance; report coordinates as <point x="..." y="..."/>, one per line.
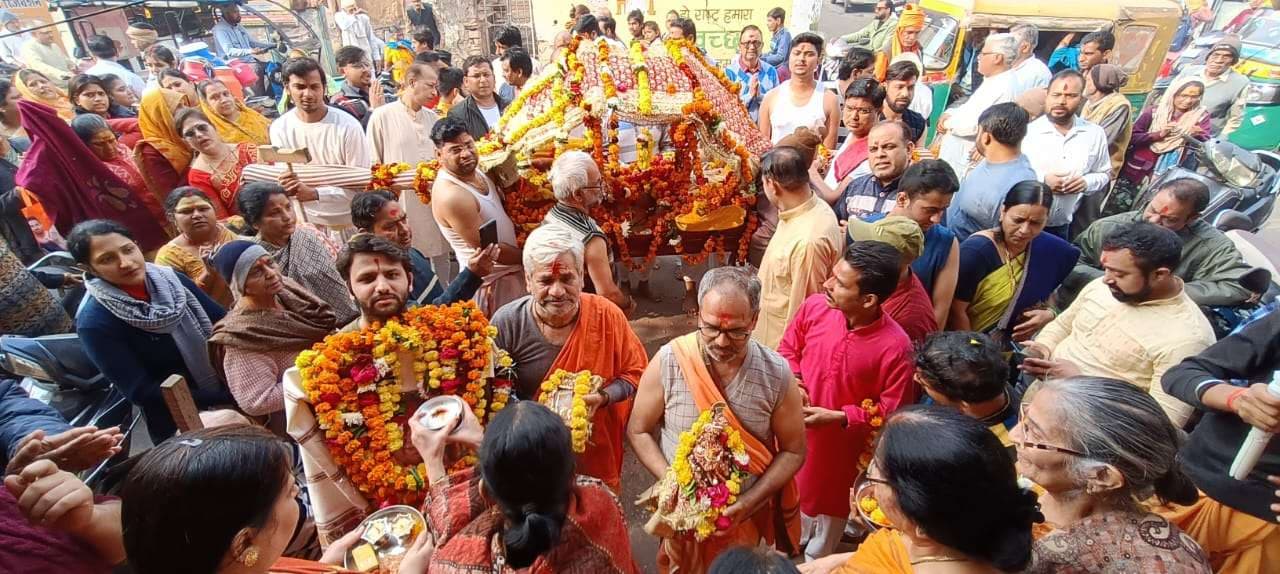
<point x="491" y="115"/>
<point x="397" y="135"/>
<point x="962" y="120"/>
<point x="337" y="139"/>
<point x="500" y="79"/>
<point x="1030" y="74"/>
<point x="358" y="31"/>
<point x="922" y="100"/>
<point x="11" y="47"/>
<point x="104" y="67"/>
<point x="1082" y="151"/>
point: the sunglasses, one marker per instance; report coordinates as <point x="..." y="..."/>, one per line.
<point x="196" y="129"/>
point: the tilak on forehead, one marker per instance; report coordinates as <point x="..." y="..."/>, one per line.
<point x="557" y="267"/>
<point x="393" y="212"/>
<point x="724" y="319"/>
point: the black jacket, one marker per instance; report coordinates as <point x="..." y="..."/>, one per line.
<point x="425" y="17"/>
<point x="1252" y="355"/>
<point x="470" y="114"/>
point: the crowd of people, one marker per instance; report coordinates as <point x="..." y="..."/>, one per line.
<point x="1015" y="378"/>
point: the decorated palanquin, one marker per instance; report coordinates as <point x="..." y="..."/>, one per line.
<point x="675" y="145"/>
<point x="351" y="396"/>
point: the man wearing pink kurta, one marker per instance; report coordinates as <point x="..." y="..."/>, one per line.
<point x="844" y="350"/>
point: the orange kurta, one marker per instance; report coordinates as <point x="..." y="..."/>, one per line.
<point x="603" y="343"/>
<point x="776" y="522"/>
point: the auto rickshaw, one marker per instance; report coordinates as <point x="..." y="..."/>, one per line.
<point x="1143" y="30"/>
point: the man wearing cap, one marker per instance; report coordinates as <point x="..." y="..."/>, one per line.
<point x="357" y="30"/>
<point x="844" y="350"/>
<point x="1224" y="88"/>
<point x="909" y="305"/>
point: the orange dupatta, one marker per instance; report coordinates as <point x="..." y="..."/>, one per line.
<point x="780" y="525"/>
<point x="603" y="343"/>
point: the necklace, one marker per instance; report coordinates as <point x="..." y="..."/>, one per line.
<point x="937" y="558"/>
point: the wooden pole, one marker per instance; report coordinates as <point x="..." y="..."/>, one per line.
<point x="177" y="396"/>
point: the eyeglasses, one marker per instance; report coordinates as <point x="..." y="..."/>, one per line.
<point x="480" y="76"/>
<point x="196" y="129"/>
<point x="860" y="111"/>
<point x="980" y="54"/>
<point x="756" y="43"/>
<point x="1022" y="421"/>
<point x="712" y="332"/>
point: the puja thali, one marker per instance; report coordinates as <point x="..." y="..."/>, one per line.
<point x="388" y="534"/>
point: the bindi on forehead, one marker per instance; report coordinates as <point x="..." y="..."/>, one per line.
<point x="723" y="320"/>
<point x="558" y="267"/>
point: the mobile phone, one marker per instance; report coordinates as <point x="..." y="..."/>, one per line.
<point x="489" y="233"/>
<point x="1019" y="354"/>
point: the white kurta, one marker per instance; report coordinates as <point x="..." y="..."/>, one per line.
<point x="398" y="135"/>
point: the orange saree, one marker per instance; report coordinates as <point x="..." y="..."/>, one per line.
<point x="604" y="344"/>
<point x="777" y="522"/>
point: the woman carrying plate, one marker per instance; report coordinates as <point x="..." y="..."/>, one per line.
<point x="521" y="506"/>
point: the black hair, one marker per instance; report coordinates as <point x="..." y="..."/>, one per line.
<point x="428" y="57"/>
<point x="446" y="57"/>
<point x="888" y="3"/>
<point x="348" y="55"/>
<point x="752" y="560"/>
<point x="101" y="46"/>
<point x="447" y="130"/>
<point x="652" y="25"/>
<point x="519" y="60"/>
<point x="902" y="71"/>
<point x="450" y="80"/>
<point x="953" y="478"/>
<point x="636" y="15"/>
<point x="508" y="36"/>
<point x="1067" y="73"/>
<point x="689" y="27"/>
<point x="109" y="82"/>
<point x="867" y="89"/>
<point x="586" y="24"/>
<point x="202" y="88"/>
<point x="162" y="53"/>
<point x="476" y="60"/>
<point x="1103" y="38"/>
<point x="809" y="38"/>
<point x="423" y="35"/>
<point x="777" y="14"/>
<point x="928" y="176"/>
<point x="877" y="264"/>
<point x="1183" y="189"/>
<point x="1152" y="246"/>
<point x="5" y="86"/>
<point x="854" y="59"/>
<point x="83" y="233"/>
<point x="180" y="193"/>
<point x="365" y="207"/>
<point x="252" y="200"/>
<point x="1006" y="122"/>
<point x="173" y="73"/>
<point x="222" y="474"/>
<point x="370" y="244"/>
<point x="527" y="465"/>
<point x="185" y="115"/>
<point x="963" y="366"/>
<point x="302" y="67"/>
<point x="1026" y="192"/>
<point x="608" y="25"/>
<point x="78" y="84"/>
<point x="786" y="166"/>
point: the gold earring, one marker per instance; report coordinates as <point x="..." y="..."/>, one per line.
<point x="250" y="557"/>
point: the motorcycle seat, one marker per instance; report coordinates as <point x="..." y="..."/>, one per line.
<point x="63" y="353"/>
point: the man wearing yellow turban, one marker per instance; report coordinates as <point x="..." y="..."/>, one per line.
<point x="904" y="39"/>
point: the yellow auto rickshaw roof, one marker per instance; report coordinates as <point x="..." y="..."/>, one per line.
<point x="1060" y="15"/>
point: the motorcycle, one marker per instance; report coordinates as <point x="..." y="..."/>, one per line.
<point x="1239" y="180"/>
<point x="55" y="370"/>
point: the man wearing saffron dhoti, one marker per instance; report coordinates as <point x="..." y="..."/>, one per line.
<point x="721" y="363"/>
<point x="557" y="326"/>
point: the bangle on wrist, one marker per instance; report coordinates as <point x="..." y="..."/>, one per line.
<point x="1231" y="399"/>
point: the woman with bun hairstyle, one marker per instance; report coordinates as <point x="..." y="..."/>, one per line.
<point x="522" y="507"/>
<point x="1100" y="448"/>
<point x="951" y="497"/>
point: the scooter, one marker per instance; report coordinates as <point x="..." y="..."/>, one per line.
<point x="1260" y="250"/>
<point x="1239" y="180"/>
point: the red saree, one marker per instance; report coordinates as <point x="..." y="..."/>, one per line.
<point x="604" y="344"/>
<point x="468" y="530"/>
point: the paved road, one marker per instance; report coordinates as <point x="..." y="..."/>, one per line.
<point x="834" y="21"/>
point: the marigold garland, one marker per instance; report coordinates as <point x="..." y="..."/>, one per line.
<point x="874" y="421"/>
<point x="583" y="383"/>
<point x="352" y="381"/>
<point x="716" y="491"/>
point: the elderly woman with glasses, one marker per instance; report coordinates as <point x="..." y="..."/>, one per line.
<point x="217" y="165"/>
<point x="1100" y="448"/>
